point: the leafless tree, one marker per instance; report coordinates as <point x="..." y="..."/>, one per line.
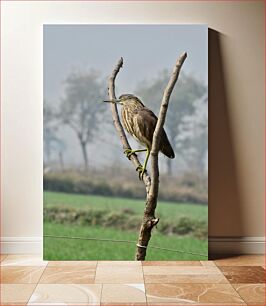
<point x="81" y="109"/>
<point x="151" y="182"/>
<point x="50" y="137"/>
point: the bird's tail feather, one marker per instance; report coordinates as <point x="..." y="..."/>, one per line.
<point x="166" y="147"/>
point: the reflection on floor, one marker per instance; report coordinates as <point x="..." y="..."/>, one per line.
<point x="28" y="280"/>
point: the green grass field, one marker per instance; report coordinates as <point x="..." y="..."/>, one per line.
<point x="164" y="209"/>
<point x="66" y="249"/>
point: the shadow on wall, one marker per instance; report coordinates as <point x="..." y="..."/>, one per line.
<point x="225" y="216"/>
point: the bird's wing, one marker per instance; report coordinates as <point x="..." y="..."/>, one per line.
<point x="145" y="123"/>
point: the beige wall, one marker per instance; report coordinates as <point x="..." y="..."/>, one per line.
<point x="236" y="105"/>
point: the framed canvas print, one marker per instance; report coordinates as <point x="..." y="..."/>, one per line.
<point x="119" y="183"/>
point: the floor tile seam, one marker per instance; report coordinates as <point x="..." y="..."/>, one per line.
<point x="69" y="283"/>
<point x="123" y="303"/>
<point x="71" y="268"/>
<point x="36" y="304"/>
<point x="36" y="285"/>
<point x="225" y="282"/>
<point x="181" y="266"/>
<point x="237" y="292"/>
<point x="48" y="268"/>
<point x="174" y="283"/>
<point x="143" y="263"/>
<point x="204" y="303"/>
<point x="244" y="266"/>
<point x="134" y="264"/>
<point x="124" y="283"/>
<point x="67" y="271"/>
<point x="185" y="275"/>
<point x="50" y="304"/>
<point x="218" y="267"/>
<point x="136" y="269"/>
<point x="236" y="283"/>
<point x="246" y="284"/>
<point x="201" y="304"/>
<point x="144" y="283"/>
<point x="101" y="294"/>
<point x="120" y="282"/>
<point x="95" y="271"/>
<point x="22" y="282"/>
<point x="251" y="303"/>
<point x="23" y="265"/>
<point x="238" y="265"/>
<point x="109" y="283"/>
<point x="28" y="275"/>
<point x="76" y="261"/>
<point x="212" y="271"/>
<point x="128" y="303"/>
<point x="82" y="284"/>
<point x="223" y="279"/>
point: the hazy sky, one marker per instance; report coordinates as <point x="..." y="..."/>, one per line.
<point x="146" y="49"/>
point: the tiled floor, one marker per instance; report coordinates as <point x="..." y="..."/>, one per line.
<point x="27" y="280"/>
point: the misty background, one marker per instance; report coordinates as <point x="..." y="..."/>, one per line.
<point x="79" y="136"/>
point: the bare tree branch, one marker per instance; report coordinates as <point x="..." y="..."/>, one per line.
<point x="151" y="184"/>
<point x="160" y="123"/>
<point x="117" y="123"/>
<point x="149" y="220"/>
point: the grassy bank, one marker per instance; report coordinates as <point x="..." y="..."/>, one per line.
<point x="164" y="209"/>
<point x="62" y="225"/>
<point x="64" y="249"/>
<point x="188" y="188"/>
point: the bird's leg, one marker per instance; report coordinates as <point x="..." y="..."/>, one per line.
<point x="142" y="169"/>
<point x="129" y="152"/>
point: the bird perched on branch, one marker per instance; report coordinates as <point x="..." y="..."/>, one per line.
<point x="140" y="122"/>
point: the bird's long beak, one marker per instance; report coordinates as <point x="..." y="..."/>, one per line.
<point x="112" y="101"/>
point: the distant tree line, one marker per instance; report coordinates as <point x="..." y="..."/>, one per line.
<point x="80" y="109"/>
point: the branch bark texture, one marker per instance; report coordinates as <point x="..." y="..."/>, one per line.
<point x="149" y="219"/>
<point x="151" y="183"/>
<point x="117" y="123"/>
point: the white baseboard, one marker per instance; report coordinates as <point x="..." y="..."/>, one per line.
<point x="217" y="245"/>
<point x="236" y="245"/>
<point x="21" y="245"/>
